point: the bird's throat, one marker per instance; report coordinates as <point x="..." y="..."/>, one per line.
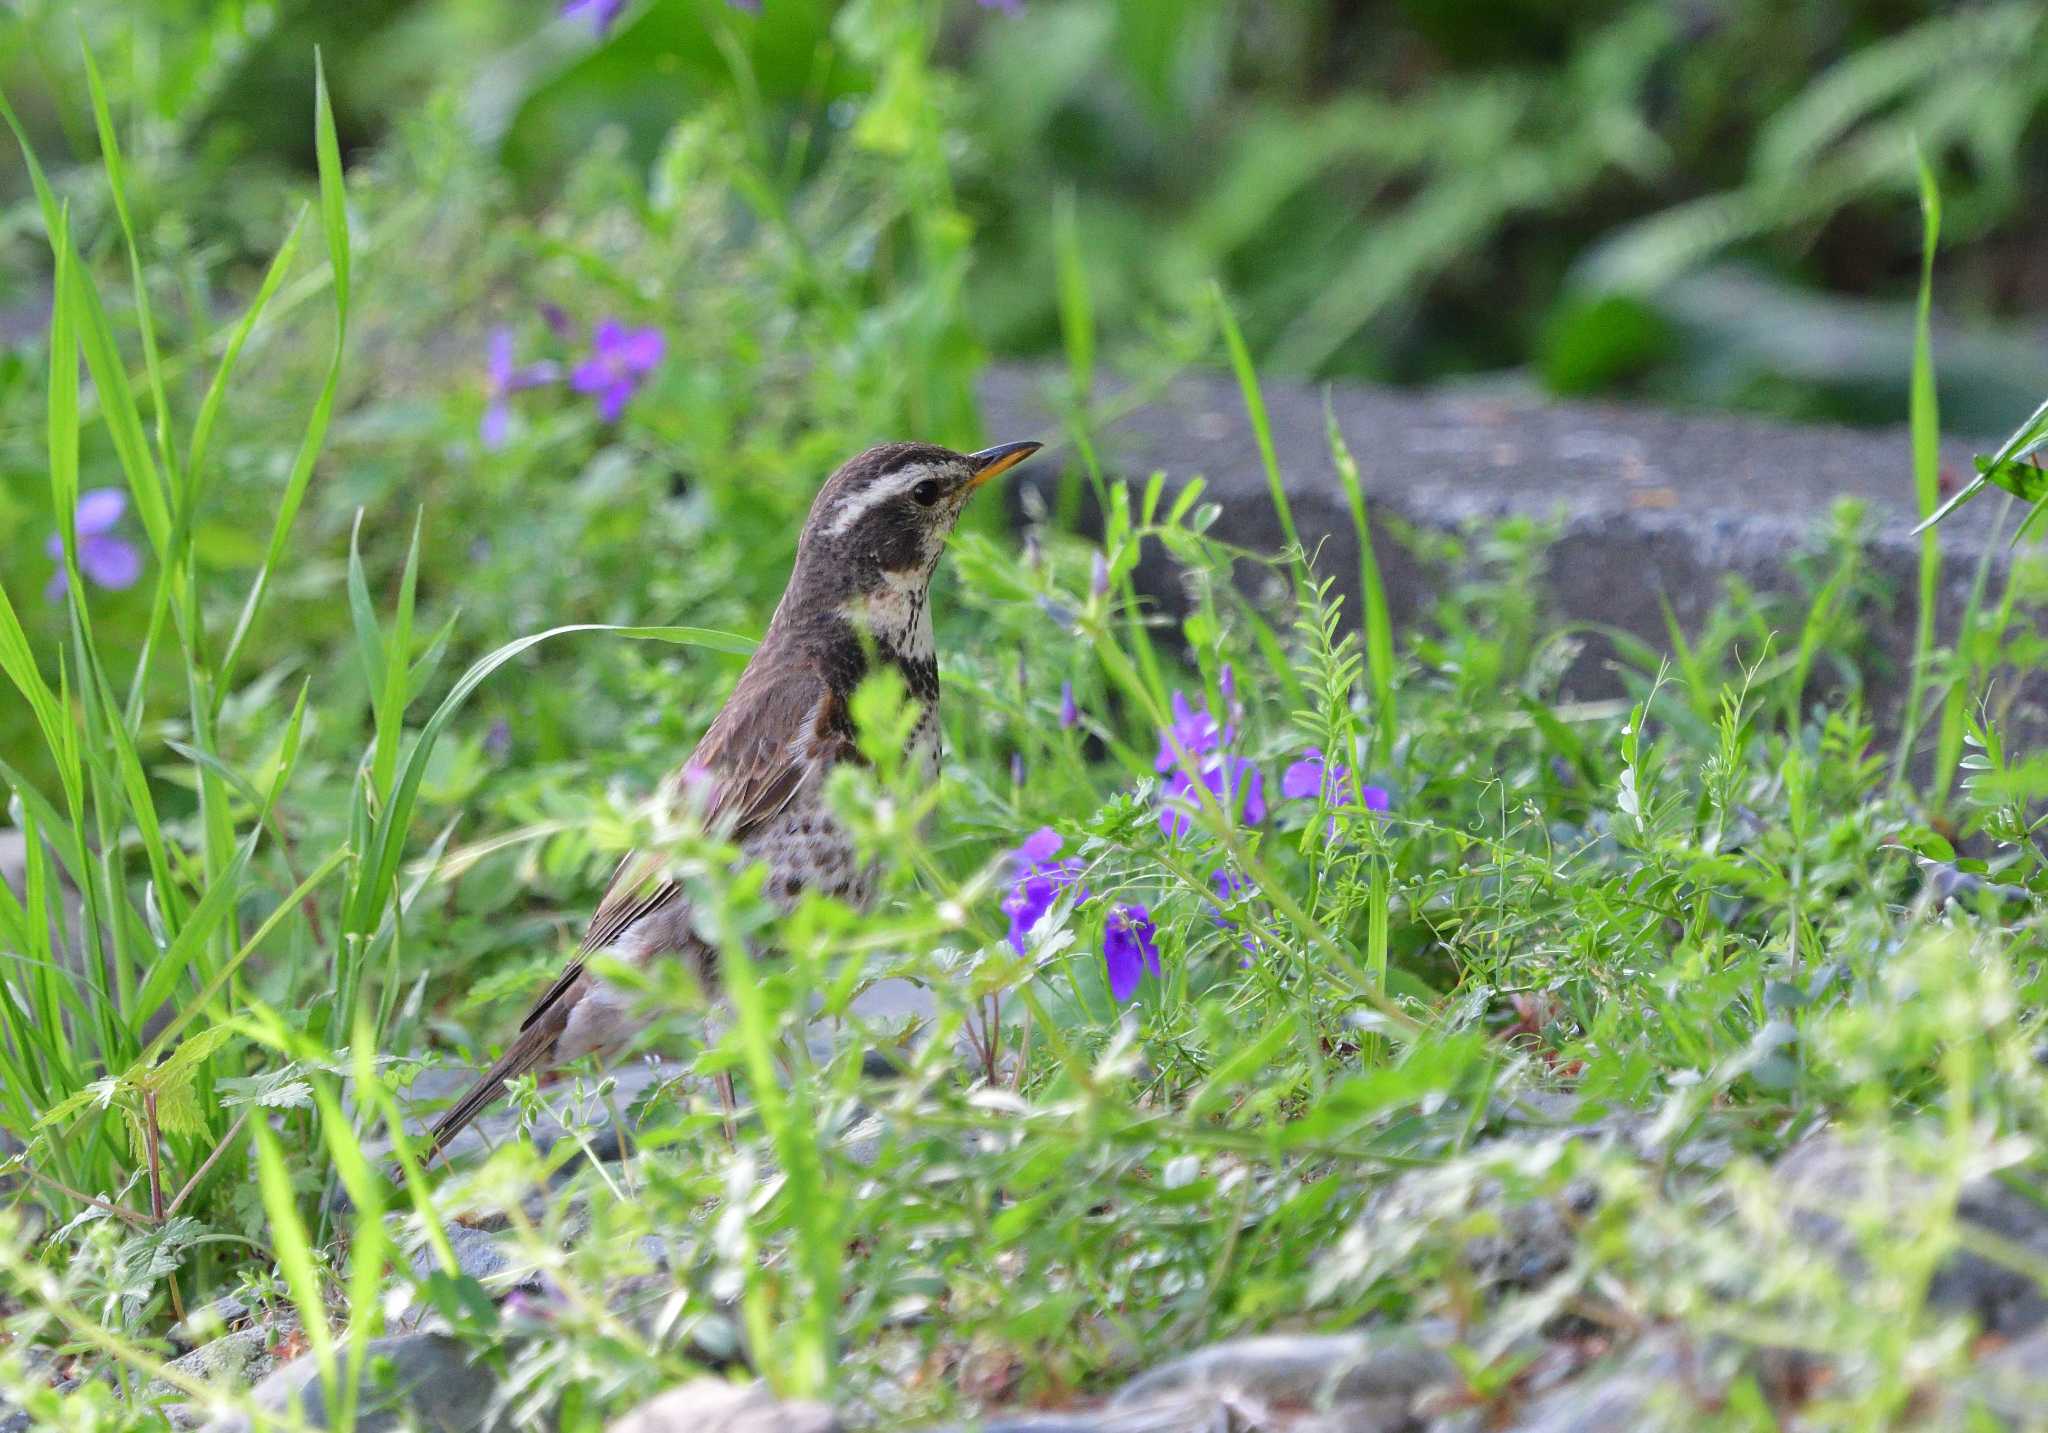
<point x="892" y="622"/>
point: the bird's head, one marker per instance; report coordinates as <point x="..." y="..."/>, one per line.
<point x="883" y="518"/>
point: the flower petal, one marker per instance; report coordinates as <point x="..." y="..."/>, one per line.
<point x="112" y="562"/>
<point x="496" y="426"/>
<point x="1304" y="777"/>
<point x="1375" y="798"/>
<point x="1040" y="846"/>
<point x="498" y="358"/>
<point x="99" y="509"/>
<point x="640" y="349"/>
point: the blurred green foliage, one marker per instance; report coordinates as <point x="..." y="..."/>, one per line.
<point x="1398" y="190"/>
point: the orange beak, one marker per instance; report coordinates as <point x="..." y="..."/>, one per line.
<point x="999" y="459"/>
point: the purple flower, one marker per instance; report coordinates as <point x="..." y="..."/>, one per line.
<point x="1332" y="782"/>
<point x="505" y="379"/>
<point x="1008" y="7"/>
<point x="1128" y="949"/>
<point x="1237" y="785"/>
<point x="1039" y="879"/>
<point x="1227" y="884"/>
<point x="1070" y="711"/>
<point x="1191" y="736"/>
<point x="602" y="14"/>
<point x="620" y="360"/>
<point x="1192" y="748"/>
<point x="105" y="558"/>
<point x="1098" y="576"/>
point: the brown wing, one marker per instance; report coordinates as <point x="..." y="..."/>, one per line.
<point x="782" y="725"/>
<point x="774" y="734"/>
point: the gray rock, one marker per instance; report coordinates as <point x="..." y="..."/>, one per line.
<point x="481" y="1255"/>
<point x="2012" y="1383"/>
<point x="234" y="1360"/>
<point x="1645" y="1391"/>
<point x="711" y="1405"/>
<point x="1624" y="1399"/>
<point x="1506" y="1239"/>
<point x="1652" y="506"/>
<point x="1364" y="1381"/>
<point x="419" y="1380"/>
<point x="1824" y="1178"/>
<point x="1305" y="1369"/>
<point x="209" y="1321"/>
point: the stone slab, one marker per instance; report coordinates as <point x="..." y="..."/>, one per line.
<point x="1652" y="506"/>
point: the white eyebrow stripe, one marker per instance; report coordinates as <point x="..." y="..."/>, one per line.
<point x="895" y="485"/>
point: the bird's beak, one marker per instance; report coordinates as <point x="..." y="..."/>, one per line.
<point x="999" y="459"/>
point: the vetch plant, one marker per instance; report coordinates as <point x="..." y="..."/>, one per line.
<point x="1129" y="949"/>
<point x="1194" y="748"/>
<point x="620" y="361"/>
<point x="1038" y="879"/>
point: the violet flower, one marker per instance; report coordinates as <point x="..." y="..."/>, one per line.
<point x="1039" y="879"/>
<point x="1226" y="883"/>
<point x="1193" y="748"/>
<point x="1192" y="735"/>
<point x="602" y="14"/>
<point x="1237" y="785"/>
<point x="1070" y="710"/>
<point x="1128" y="949"/>
<point x="1330" y="781"/>
<point x="620" y="360"/>
<point x="107" y="559"/>
<point x="505" y="379"/>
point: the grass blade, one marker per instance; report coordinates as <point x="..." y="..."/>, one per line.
<point x="1925" y="419"/>
<point x="1379" y="623"/>
<point x="1262" y="429"/>
<point x="334" y="219"/>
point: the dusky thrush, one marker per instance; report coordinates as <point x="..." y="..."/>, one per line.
<point x="858" y="596"/>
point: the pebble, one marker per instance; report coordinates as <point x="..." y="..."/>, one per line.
<point x="712" y="1405"/>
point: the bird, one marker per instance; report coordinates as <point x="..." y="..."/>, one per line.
<point x="858" y="597"/>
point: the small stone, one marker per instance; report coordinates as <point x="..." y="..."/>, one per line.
<point x="1666" y="1380"/>
<point x="209" y="1321"/>
<point x="232" y="1361"/>
<point x="1825" y="1177"/>
<point x="711" y="1405"/>
<point x="478" y="1254"/>
<point x="1372" y="1373"/>
<point x="2011" y="1383"/>
<point x="426" y="1381"/>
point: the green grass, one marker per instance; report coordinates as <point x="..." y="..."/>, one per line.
<point x="308" y="859"/>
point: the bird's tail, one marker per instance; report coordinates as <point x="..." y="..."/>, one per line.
<point x="528" y="1052"/>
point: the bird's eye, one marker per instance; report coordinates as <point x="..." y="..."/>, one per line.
<point x="925" y="493"/>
